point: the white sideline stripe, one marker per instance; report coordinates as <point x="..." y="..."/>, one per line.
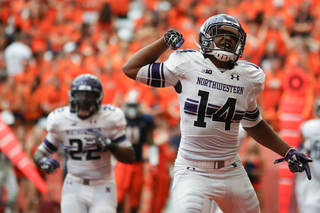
<point x="14" y="151"/>
<point x="23" y="162"/>
<point x="2" y="126"/>
<point x="7" y="139"/>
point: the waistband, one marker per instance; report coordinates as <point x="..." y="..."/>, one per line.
<point x="84" y="181"/>
<point x="214" y="164"/>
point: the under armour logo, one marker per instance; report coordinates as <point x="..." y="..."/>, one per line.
<point x="235" y="76"/>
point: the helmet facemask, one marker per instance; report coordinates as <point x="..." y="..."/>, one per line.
<point x="132" y="110"/>
<point x="85" y="103"/>
<point x="228" y="52"/>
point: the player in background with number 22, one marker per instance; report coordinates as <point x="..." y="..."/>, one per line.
<point x="89" y="133"/>
<point x="216" y="92"/>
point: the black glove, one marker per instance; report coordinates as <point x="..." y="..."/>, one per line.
<point x="48" y="165"/>
<point x="100" y="140"/>
<point x="297" y="162"/>
<point x="173" y="39"/>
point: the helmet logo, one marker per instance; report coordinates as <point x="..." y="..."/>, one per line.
<point x="84" y="87"/>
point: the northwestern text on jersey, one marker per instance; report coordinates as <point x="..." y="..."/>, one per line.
<point x="220" y="86"/>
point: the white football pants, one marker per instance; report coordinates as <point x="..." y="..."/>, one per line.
<point x="195" y="187"/>
<point x="98" y="196"/>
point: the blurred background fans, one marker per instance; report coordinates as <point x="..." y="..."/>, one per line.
<point x="45" y="44"/>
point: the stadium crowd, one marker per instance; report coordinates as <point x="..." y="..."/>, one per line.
<point x="45" y="44"/>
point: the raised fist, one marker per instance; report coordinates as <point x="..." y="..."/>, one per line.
<point x="173" y="39"/>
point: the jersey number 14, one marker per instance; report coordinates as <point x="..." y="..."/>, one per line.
<point x="224" y="114"/>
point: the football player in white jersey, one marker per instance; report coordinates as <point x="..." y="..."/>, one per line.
<point x="89" y="133"/>
<point x="307" y="192"/>
<point x="216" y="92"/>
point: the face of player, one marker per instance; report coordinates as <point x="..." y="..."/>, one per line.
<point x="226" y="41"/>
<point x="85" y="104"/>
<point x="83" y="111"/>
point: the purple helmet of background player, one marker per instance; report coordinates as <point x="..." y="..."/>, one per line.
<point x="85" y="95"/>
<point x="229" y="26"/>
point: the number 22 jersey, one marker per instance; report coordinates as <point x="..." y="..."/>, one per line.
<point x="68" y="130"/>
<point x="212" y="103"/>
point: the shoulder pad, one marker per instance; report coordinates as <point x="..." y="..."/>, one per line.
<point x="56" y="117"/>
<point x="180" y="57"/>
<point x="251" y="71"/>
<point x="113" y="115"/>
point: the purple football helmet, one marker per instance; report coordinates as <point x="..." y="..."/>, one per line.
<point x="85" y="95"/>
<point x="230" y="26"/>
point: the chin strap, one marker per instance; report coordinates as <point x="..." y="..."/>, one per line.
<point x="222" y="55"/>
<point x="197" y="43"/>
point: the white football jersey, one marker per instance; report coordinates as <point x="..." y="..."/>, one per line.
<point x="310" y="131"/>
<point x="68" y="130"/>
<point x="212" y="103"/>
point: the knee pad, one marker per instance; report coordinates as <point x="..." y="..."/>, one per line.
<point x="245" y="196"/>
<point x="194" y="201"/>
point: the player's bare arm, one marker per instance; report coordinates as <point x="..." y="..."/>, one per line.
<point x="152" y="52"/>
<point x="267" y="137"/>
<point x="125" y="154"/>
<point x="146" y="55"/>
<point x="264" y="134"/>
<point x="37" y="155"/>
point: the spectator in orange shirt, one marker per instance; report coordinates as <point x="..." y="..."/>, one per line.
<point x="256" y="6"/>
<point x="304" y="21"/>
<point x="256" y="34"/>
<point x="104" y="26"/>
<point x="269" y="54"/>
<point x="31" y="70"/>
<point x="32" y="98"/>
<point x="273" y="91"/>
<point x="73" y="12"/>
<point x="59" y="33"/>
<point x="55" y="95"/>
<point x="4" y="11"/>
<point x="11" y="98"/>
<point x="274" y="32"/>
<point x="111" y="85"/>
